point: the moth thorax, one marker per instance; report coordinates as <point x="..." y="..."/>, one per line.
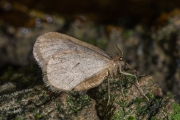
<point x="113" y="69"/>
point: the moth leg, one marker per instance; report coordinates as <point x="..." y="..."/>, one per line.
<point x="108" y="92"/>
<point x="140" y="90"/>
<point x="137" y="86"/>
<point x="122" y="92"/>
<point x="125" y="73"/>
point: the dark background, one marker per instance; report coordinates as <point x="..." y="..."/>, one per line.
<point x="103" y="11"/>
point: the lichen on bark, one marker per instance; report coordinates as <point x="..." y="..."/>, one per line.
<point x="126" y="101"/>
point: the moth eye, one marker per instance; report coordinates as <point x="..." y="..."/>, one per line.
<point x="121" y="58"/>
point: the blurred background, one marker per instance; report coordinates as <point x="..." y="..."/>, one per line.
<point x="147" y="31"/>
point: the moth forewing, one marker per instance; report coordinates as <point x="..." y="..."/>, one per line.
<point x="68" y="63"/>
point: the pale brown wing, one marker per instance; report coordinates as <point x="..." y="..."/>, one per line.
<point x="53" y="43"/>
<point x="93" y="81"/>
<point x="67" y="69"/>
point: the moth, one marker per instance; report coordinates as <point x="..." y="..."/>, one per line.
<point x="70" y="64"/>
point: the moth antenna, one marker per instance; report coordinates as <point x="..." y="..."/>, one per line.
<point x="119" y="50"/>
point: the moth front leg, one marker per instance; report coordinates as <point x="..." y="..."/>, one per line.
<point x="140" y="90"/>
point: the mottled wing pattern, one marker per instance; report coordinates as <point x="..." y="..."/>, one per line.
<point x="67" y="69"/>
<point x="52" y="43"/>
